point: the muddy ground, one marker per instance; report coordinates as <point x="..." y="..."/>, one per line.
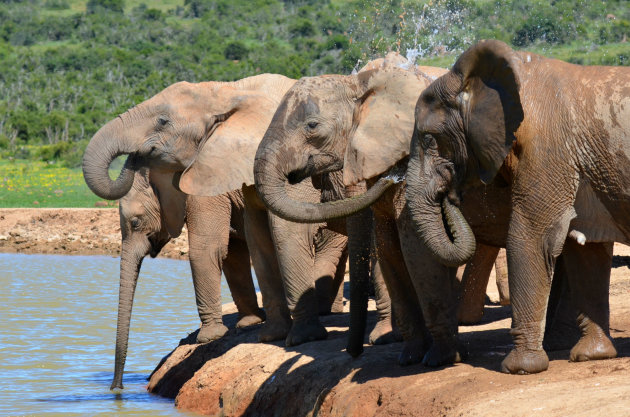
<point x="70" y="232"/>
<point x="236" y="375"/>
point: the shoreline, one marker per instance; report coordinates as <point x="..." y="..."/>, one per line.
<point x="71" y="231"/>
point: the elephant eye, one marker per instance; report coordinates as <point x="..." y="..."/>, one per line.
<point x="312" y="125"/>
<point x="135" y="222"/>
<point x="428" y="142"/>
<point x="162" y="121"/>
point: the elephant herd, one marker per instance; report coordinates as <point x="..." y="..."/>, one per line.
<point x="405" y="171"/>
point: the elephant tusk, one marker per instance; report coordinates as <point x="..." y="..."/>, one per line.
<point x="578" y="236"/>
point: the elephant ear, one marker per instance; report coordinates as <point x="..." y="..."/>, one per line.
<point x="172" y="202"/>
<point x="384" y="121"/>
<point x="225" y="159"/>
<point x="490" y="102"/>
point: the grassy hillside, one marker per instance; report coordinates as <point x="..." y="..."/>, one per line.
<point x="68" y="66"/>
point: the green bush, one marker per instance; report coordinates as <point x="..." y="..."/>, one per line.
<point x="98" y="6"/>
<point x="302" y="27"/>
<point x="235" y="50"/>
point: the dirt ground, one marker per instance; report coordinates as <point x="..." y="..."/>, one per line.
<point x="70" y="232"/>
<point x="236" y="376"/>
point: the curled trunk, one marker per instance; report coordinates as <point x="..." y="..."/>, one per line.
<point x="130" y="263"/>
<point x="103" y="148"/>
<point x="439" y="223"/>
<point x="270" y="184"/>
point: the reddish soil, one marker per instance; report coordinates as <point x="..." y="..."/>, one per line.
<point x="70" y="232"/>
<point x="236" y="376"/>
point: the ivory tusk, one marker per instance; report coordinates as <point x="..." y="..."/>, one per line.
<point x="578" y="236"/>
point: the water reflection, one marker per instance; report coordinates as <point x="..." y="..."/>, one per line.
<point x="58" y="331"/>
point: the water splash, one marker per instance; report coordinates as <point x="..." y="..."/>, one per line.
<point x="437" y="28"/>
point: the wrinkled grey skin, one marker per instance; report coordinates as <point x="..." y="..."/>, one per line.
<point x="514" y="118"/>
<point x="213" y="247"/>
<point x="310" y="134"/>
<point x="165" y="132"/>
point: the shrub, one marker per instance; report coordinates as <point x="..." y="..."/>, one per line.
<point x="302" y="27"/>
<point x="235" y="50"/>
<point x="97" y="6"/>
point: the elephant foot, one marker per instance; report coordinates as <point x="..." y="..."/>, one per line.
<point x="525" y="361"/>
<point x="210" y="332"/>
<point x="274" y="330"/>
<point x="440" y="354"/>
<point x="468" y="315"/>
<point x="251" y="319"/>
<point x="306" y="332"/>
<point x="593" y="347"/>
<point x="383" y="333"/>
<point x="413" y="352"/>
<point x="560" y="339"/>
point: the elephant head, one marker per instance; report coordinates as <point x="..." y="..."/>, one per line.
<point x="167" y="130"/>
<point x="465" y="125"/>
<point x="360" y="123"/>
<point x="151" y="213"/>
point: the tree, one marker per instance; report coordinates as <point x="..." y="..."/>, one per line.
<point x="95" y="6"/>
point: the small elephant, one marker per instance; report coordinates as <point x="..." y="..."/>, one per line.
<point x="557" y="137"/>
<point x="152" y="213"/>
<point x="229" y="118"/>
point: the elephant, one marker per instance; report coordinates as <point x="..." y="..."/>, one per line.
<point x="363" y="124"/>
<point x="557" y="136"/>
<point x="154" y="212"/>
<point x="314" y="131"/>
<point x="165" y="133"/>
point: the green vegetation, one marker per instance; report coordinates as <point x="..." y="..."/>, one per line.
<point x="41" y="184"/>
<point x="68" y="66"/>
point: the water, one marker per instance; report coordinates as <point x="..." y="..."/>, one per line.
<point x="58" y="327"/>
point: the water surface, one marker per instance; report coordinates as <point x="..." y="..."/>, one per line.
<point x="57" y="333"/>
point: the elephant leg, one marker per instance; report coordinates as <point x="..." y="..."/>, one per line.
<point x="588" y="271"/>
<point x="294" y="243"/>
<point x="340" y="275"/>
<point x="474" y="284"/>
<point x="385" y="331"/>
<point x="533" y="245"/>
<point x="409" y="318"/>
<point x="208" y="245"/>
<point x="238" y="274"/>
<point x="561" y="330"/>
<point x="501" y="273"/>
<point x="330" y="251"/>
<point x="265" y="261"/>
<point x="437" y="288"/>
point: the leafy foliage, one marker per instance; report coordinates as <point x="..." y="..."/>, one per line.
<point x="68" y="66"/>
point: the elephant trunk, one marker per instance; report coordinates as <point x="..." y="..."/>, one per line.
<point x="271" y="177"/>
<point x="103" y="148"/>
<point x="440" y="224"/>
<point x="132" y="254"/>
<point x="359" y="228"/>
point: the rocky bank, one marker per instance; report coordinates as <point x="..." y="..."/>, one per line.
<point x="237" y="376"/>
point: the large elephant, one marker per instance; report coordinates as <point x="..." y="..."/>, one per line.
<point x="166" y="131"/>
<point x="557" y="136"/>
<point x="152" y="213"/>
<point x="363" y="123"/>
